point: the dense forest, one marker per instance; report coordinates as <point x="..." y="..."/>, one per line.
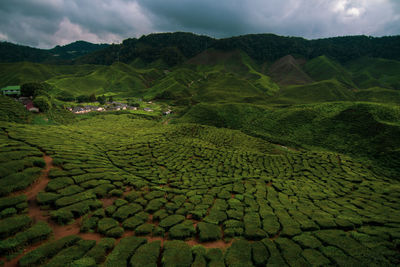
<point x="174" y="48"/>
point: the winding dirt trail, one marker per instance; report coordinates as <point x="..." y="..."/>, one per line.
<point x="38" y="214"/>
<point x="59" y="231"/>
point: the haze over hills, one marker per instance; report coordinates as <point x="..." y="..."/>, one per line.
<point x="289" y="143"/>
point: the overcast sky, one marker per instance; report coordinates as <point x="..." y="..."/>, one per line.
<point x="46" y="23"/>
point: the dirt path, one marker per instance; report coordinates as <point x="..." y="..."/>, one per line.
<point x="37" y="214"/>
<point x="212" y="244"/>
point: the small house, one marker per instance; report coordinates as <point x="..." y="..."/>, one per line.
<point x="11" y="90"/>
<point x="167" y="112"/>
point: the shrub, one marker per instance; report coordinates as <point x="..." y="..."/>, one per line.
<point x="47" y="250"/>
<point x="199" y="253"/>
<point x="59" y="183"/>
<point x="154" y="194"/>
<point x="65" y="96"/>
<point x="82" y="98"/>
<point x="106" y="224"/>
<point x="81" y="208"/>
<point x="176" y="253"/>
<point x="70" y="190"/>
<point x="290" y="251"/>
<point x="115" y="232"/>
<point x="275" y="257"/>
<point x="61" y="216"/>
<point x="72" y="253"/>
<point x="18" y="181"/>
<point x="42" y="102"/>
<point x="7" y="202"/>
<point x="99" y="252"/>
<point x="208" y="232"/>
<point x="155" y="204"/>
<point x="144" y="229"/>
<point x="133" y="222"/>
<point x="45" y="198"/>
<point x="12" y="225"/>
<point x="171" y="221"/>
<point x="315" y="257"/>
<point x="260" y="253"/>
<point x="8" y="212"/>
<point x="123" y="251"/>
<point x="39" y="163"/>
<point x="84" y="262"/>
<point x="89" y="223"/>
<point x="215" y="257"/>
<point x="126" y="211"/>
<point x="37" y="232"/>
<point x="239" y="254"/>
<point x="215" y="216"/>
<point x="146" y="255"/>
<point x="116" y="192"/>
<point x="182" y="230"/>
<point x="68" y="200"/>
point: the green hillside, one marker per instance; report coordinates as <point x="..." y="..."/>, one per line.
<point x="323" y="91"/>
<point x="116" y="78"/>
<point x="371" y="72"/>
<point x="287" y="71"/>
<point x="263" y="158"/>
<point x="359" y="129"/>
<point x="12" y="111"/>
<point x="116" y="190"/>
<point x="378" y="94"/>
<point x="323" y="68"/>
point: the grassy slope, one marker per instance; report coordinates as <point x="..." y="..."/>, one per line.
<point x="215" y="76"/>
<point x="82" y="79"/>
<point x="18" y="73"/>
<point x="119" y="77"/>
<point x="361" y="129"/>
<point x="371" y="72"/>
<point x="323" y="91"/>
<point x="323" y="68"/>
<point x="287" y="71"/>
<point x="13" y="111"/>
<point x="378" y="94"/>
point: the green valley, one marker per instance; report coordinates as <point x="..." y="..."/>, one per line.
<point x="256" y="150"/>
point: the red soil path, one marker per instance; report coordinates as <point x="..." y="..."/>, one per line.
<point x="60" y="231"/>
<point x="37" y="214"/>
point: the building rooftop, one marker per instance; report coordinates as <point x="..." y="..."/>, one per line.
<point x="11" y="87"/>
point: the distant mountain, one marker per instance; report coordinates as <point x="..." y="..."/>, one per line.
<point x="10" y="52"/>
<point x="287" y="70"/>
<point x="172" y="48"/>
<point x="175" y="48"/>
<point x="76" y="49"/>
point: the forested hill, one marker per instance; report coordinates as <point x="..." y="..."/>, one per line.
<point x="10" y="52"/>
<point x="174" y="48"/>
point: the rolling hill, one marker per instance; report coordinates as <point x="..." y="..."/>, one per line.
<point x="279" y="151"/>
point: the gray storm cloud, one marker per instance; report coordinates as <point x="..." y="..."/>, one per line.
<point x="46" y="23"/>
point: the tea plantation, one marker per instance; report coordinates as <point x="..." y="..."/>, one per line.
<point x="116" y="190"/>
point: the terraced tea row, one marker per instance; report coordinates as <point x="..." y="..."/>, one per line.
<point x="122" y="176"/>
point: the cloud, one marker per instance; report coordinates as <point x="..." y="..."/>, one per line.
<point x="46" y="23"/>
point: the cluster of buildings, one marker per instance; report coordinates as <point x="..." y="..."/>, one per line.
<point x="11" y="90"/>
<point x="15" y="90"/>
<point x="114" y="106"/>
